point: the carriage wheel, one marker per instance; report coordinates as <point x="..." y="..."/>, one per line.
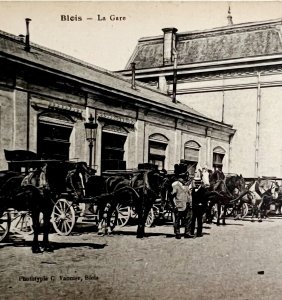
<point x="244" y="210"/>
<point x="150" y="219"/>
<point x="63" y="217"/>
<point x="23" y="223"/>
<point x="123" y="215"/>
<point x="5" y="222"/>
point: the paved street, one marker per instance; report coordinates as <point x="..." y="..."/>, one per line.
<point x="242" y="260"/>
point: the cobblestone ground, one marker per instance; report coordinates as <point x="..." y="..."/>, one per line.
<point x="242" y="260"/>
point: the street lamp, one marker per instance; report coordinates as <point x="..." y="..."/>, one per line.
<point x="91" y="132"/>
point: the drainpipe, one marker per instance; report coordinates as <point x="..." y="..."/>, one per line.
<point x="223" y="99"/>
<point x="28" y="121"/>
<point x="257" y="126"/>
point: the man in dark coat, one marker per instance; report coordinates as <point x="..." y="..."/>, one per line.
<point x="199" y="207"/>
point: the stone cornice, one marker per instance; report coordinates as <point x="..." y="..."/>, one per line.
<point x="223" y="65"/>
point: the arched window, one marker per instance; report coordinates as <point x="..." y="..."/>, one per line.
<point x="218" y="156"/>
<point x="191" y="155"/>
<point x="157" y="150"/>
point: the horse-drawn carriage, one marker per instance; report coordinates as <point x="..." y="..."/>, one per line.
<point x="67" y="209"/>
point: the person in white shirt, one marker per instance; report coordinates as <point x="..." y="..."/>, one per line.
<point x="182" y="200"/>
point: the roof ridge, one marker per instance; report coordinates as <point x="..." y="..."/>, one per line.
<point x="80" y="62"/>
<point x="218" y="29"/>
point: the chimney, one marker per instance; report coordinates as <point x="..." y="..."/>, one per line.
<point x="27" y="44"/>
<point x="169" y="44"/>
<point x="133" y="86"/>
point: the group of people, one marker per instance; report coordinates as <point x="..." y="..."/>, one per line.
<point x="189" y="205"/>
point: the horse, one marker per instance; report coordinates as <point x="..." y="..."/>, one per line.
<point x="106" y="194"/>
<point x="278" y="200"/>
<point x="141" y="191"/>
<point x="147" y="184"/>
<point x="261" y="194"/>
<point x="30" y="193"/>
<point x="223" y="192"/>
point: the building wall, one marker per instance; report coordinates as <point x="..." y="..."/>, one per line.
<point x="270" y="159"/>
<point x="21" y="106"/>
<point x="6" y="123"/>
<point x="234" y="100"/>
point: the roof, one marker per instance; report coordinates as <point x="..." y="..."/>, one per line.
<point x="12" y="47"/>
<point x="228" y="42"/>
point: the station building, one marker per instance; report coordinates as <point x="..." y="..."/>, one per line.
<point x="232" y="74"/>
<point x="46" y="98"/>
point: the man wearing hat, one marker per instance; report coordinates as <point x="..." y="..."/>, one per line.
<point x="183" y="203"/>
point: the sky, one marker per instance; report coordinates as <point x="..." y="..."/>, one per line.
<point x="109" y="44"/>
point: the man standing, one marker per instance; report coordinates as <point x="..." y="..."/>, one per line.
<point x="183" y="204"/>
<point x="199" y="206"/>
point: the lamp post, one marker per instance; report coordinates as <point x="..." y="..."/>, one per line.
<point x="91" y="132"/>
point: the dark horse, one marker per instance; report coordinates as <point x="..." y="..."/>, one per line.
<point x="225" y="191"/>
<point x="29" y="193"/>
<point x="106" y="193"/>
<point x="140" y="191"/>
<point x="148" y="186"/>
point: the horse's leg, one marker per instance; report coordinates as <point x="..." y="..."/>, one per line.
<point x="279" y="207"/>
<point x="253" y="210"/>
<point x="218" y="213"/>
<point x="47" y="208"/>
<point x="140" y="229"/>
<point x="237" y="210"/>
<point x="143" y="210"/>
<point x="47" y="225"/>
<point x="224" y="214"/>
<point x="259" y="208"/>
<point x="208" y="212"/>
<point x="103" y="214"/>
<point x="110" y="212"/>
<point x="36" y="227"/>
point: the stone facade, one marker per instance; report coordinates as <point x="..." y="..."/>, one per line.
<point x="46" y="97"/>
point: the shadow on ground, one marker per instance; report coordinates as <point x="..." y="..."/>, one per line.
<point x="19" y="242"/>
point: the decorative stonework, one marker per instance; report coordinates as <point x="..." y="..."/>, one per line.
<point x="115" y="118"/>
<point x="52" y="106"/>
